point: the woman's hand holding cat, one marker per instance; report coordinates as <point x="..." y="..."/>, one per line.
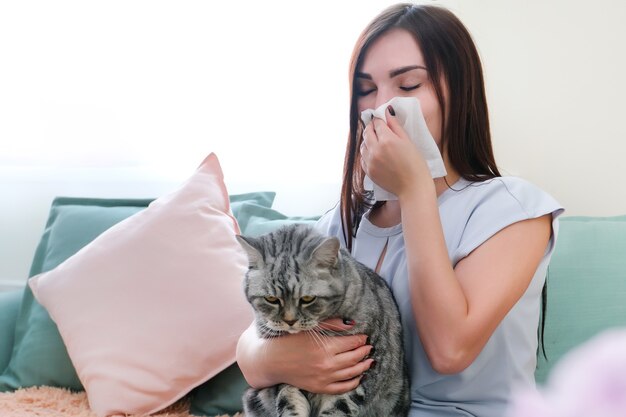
<point x="315" y="363"/>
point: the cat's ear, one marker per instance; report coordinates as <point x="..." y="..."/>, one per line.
<point x="254" y="255"/>
<point x="326" y="253"/>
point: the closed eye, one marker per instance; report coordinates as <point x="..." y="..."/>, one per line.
<point x="410" y="88"/>
<point x="363" y="93"/>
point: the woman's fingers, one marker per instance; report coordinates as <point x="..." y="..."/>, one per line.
<point x="363" y="148"/>
<point x="374" y="136"/>
<point x="340" y="344"/>
<point x="352" y="357"/>
<point x="382" y="130"/>
<point x="337" y="324"/>
<point x="353" y="371"/>
<point x="369" y="138"/>
<point x="336" y="345"/>
<point x="394" y="124"/>
<point x="347" y="379"/>
<point x="327" y="364"/>
<point x="343" y="386"/>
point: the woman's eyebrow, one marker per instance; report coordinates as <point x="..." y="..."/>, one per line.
<point x="402" y="70"/>
<point x="392" y="73"/>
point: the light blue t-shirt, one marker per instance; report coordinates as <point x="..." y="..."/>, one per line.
<point x="470" y="212"/>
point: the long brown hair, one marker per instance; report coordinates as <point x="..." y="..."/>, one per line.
<point x="449" y="54"/>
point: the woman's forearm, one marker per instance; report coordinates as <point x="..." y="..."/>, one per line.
<point x="250" y="360"/>
<point x="439" y="303"/>
<point x="332" y="367"/>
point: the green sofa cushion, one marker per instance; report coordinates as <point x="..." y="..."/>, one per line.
<point x="39" y="356"/>
<point x="9" y="308"/>
<point x="586" y="285"/>
<point x="219" y="395"/>
<point x="255" y="220"/>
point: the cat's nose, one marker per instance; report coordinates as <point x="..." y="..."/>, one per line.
<point x="290" y="322"/>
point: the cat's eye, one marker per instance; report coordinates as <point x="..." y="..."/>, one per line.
<point x="307" y="299"/>
<point x="271" y="299"/>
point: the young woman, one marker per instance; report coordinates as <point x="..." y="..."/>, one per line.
<point x="465" y="255"/>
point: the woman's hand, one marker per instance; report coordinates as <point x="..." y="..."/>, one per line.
<point x="312" y="362"/>
<point x="390" y="158"/>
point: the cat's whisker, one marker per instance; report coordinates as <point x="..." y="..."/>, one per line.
<point x="317" y="338"/>
<point x="312" y="335"/>
<point x="321" y="338"/>
<point x="324" y="342"/>
<point x="327" y="332"/>
<point x="332" y="325"/>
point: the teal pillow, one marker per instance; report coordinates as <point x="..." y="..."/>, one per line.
<point x="586" y="285"/>
<point x="39" y="356"/>
<point x="261" y="198"/>
<point x="255" y="220"/>
<point x="220" y="395"/>
<point x="9" y="307"/>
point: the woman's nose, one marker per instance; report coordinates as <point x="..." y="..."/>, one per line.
<point x="383" y="96"/>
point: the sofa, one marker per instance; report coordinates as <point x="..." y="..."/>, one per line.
<point x="586" y="293"/>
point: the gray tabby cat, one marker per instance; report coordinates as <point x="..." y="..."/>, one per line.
<point x="298" y="278"/>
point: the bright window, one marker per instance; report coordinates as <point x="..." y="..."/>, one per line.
<point x="113" y="84"/>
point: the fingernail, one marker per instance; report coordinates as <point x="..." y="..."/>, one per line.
<point x="348" y="322"/>
<point x="372" y="118"/>
<point x="372" y="365"/>
<point x="391" y="110"/>
<point x="372" y="350"/>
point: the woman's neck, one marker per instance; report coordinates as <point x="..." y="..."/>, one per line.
<point x="389" y="215"/>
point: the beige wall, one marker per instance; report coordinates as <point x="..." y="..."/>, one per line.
<point x="556" y="76"/>
<point x="555" y="73"/>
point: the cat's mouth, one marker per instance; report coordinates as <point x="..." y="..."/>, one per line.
<point x="292" y="328"/>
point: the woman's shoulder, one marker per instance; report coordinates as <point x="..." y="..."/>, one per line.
<point x="483" y="208"/>
<point x="330" y="223"/>
<point x="509" y="192"/>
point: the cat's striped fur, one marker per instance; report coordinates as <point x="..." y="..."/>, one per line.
<point x="298" y="278"/>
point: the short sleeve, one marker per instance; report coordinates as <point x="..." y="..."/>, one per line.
<point x="506" y="200"/>
<point x="330" y="224"/>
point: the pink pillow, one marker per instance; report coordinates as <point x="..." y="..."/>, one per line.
<point x="154" y="306"/>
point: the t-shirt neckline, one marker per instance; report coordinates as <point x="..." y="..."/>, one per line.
<point x="373" y="230"/>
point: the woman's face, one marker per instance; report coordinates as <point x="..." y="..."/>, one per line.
<point x="394" y="67"/>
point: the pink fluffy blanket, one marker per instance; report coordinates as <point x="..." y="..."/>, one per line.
<point x="58" y="402"/>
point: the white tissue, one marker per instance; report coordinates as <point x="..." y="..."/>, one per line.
<point x="409" y="114"/>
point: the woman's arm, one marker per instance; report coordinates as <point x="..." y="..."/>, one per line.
<point x="456" y="310"/>
<point x="331" y="365"/>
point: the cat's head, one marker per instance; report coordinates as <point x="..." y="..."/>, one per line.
<point x="293" y="280"/>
